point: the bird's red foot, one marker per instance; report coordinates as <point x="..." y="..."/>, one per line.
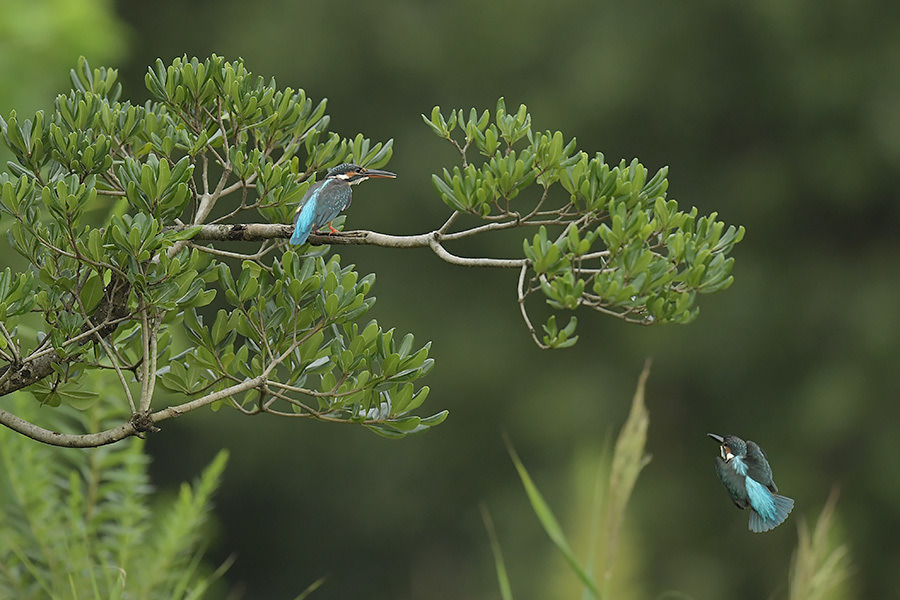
<point x="332" y="229"/>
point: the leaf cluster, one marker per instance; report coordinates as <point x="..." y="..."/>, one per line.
<point x="607" y="239"/>
<point x="300" y="319"/>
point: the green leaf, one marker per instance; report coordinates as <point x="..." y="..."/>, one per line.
<point x="386" y="431"/>
<point x="91" y="293"/>
<point x="406" y="424"/>
<point x="81" y="400"/>
<point x="435" y="419"/>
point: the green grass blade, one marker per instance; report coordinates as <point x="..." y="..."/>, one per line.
<point x="201" y="586"/>
<point x="549" y="522"/>
<point x="311" y="588"/>
<point x="502" y="576"/>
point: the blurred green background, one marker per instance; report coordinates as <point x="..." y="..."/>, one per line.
<point x="782" y="115"/>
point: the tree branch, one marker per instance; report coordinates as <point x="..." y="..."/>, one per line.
<point x="66" y="440"/>
<point x="256" y="232"/>
<point x="109" y="313"/>
<point x="135" y="426"/>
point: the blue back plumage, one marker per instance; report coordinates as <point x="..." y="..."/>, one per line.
<point x="306" y="215"/>
<point x="320" y="206"/>
<point x="760" y="499"/>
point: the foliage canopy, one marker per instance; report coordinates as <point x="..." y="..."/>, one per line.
<point x="120" y="210"/>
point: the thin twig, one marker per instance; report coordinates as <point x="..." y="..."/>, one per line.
<point x="13" y="347"/>
<point x="111" y="353"/>
<point x="145" y="364"/>
<point x="263" y="250"/>
<point x="154" y="340"/>
<point x="521" y="298"/>
<point x="81" y="336"/>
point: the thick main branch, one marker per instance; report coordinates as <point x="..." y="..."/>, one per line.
<point x="135" y="426"/>
<point x="257" y="232"/>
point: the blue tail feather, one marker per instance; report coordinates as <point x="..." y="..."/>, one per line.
<point x="781" y="507"/>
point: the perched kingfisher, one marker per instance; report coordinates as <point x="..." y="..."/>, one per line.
<point x="324" y="200"/>
<point x="744" y="470"/>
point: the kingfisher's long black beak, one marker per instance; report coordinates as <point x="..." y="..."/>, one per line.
<point x="376" y="173"/>
<point x="718" y="438"/>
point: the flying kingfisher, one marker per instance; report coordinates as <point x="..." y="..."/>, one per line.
<point x="744" y="470"/>
<point x="324" y="200"/>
